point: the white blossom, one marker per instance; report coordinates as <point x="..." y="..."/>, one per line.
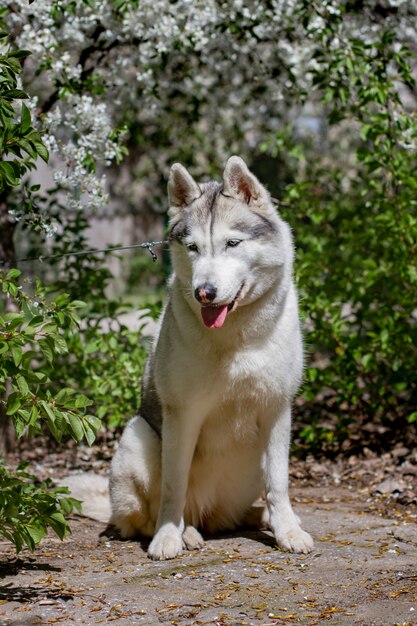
<point x="221" y="68"/>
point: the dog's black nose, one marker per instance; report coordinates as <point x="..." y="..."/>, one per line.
<point x="205" y="293"/>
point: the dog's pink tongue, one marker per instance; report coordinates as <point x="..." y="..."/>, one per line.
<point x="214" y="316"/>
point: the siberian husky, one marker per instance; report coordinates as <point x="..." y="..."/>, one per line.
<point x="214" y="426"/>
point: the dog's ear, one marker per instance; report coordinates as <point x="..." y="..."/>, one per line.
<point x="241" y="184"/>
<point x="182" y="188"/>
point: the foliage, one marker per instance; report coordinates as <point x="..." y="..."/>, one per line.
<point x="49" y="359"/>
<point x="18" y="139"/>
<point x="183" y="81"/>
<point x="20" y="143"/>
<point x="356" y="233"/>
<point x="27" y="509"/>
<point x="108" y="364"/>
<point x="107" y="357"/>
<point x="31" y="339"/>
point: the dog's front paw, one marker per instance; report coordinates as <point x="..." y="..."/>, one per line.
<point x="167" y="543"/>
<point x="192" y="539"/>
<point x="295" y="539"/>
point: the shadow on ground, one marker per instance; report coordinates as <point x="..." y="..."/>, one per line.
<point x="361" y="571"/>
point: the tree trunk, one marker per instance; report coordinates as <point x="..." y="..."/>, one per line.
<point x="8" y="260"/>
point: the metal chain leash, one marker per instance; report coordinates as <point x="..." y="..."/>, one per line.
<point x="148" y="245"/>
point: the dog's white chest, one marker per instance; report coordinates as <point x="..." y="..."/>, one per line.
<point x="229" y="426"/>
<point x="234" y="403"/>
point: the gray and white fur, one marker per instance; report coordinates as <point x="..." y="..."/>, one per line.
<point x="214" y="427"/>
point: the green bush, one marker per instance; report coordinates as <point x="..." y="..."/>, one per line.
<point x="355" y="227"/>
<point x="107" y="360"/>
<point x="28" y="508"/>
<point x="34" y="331"/>
<point x="107" y="357"/>
<point x="31" y="339"/>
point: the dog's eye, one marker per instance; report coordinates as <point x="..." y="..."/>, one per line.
<point x="232" y="243"/>
<point x="192" y="247"/>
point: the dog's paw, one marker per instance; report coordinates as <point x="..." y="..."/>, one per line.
<point x="192" y="539"/>
<point x="295" y="540"/>
<point x="167" y="544"/>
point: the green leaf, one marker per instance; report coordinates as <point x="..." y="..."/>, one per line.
<point x="82" y="401"/>
<point x="34" y="416"/>
<point x="366" y="359"/>
<point x="75" y="427"/>
<point x="11" y="172"/>
<point x="20" y="54"/>
<point x="18" y="94"/>
<point x="19" y="424"/>
<point x="60" y="422"/>
<point x="37" y="320"/>
<point x="364" y="132"/>
<point x="60" y="345"/>
<point x="94" y="421"/>
<point x="17" y="353"/>
<point x="13" y="403"/>
<point x="59" y="524"/>
<point x="46" y="349"/>
<point x="48" y="410"/>
<point x="37" y="531"/>
<point x="13" y="290"/>
<point x="42" y="150"/>
<point x="89" y="434"/>
<point x="22" y="384"/>
<point x="13" y="273"/>
<point x="412" y="417"/>
<point x="63" y="395"/>
<point x="55" y="432"/>
<point x="25" y="119"/>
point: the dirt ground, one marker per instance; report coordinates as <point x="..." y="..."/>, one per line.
<point x="363" y="570"/>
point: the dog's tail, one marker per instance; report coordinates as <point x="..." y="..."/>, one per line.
<point x="93" y="491"/>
